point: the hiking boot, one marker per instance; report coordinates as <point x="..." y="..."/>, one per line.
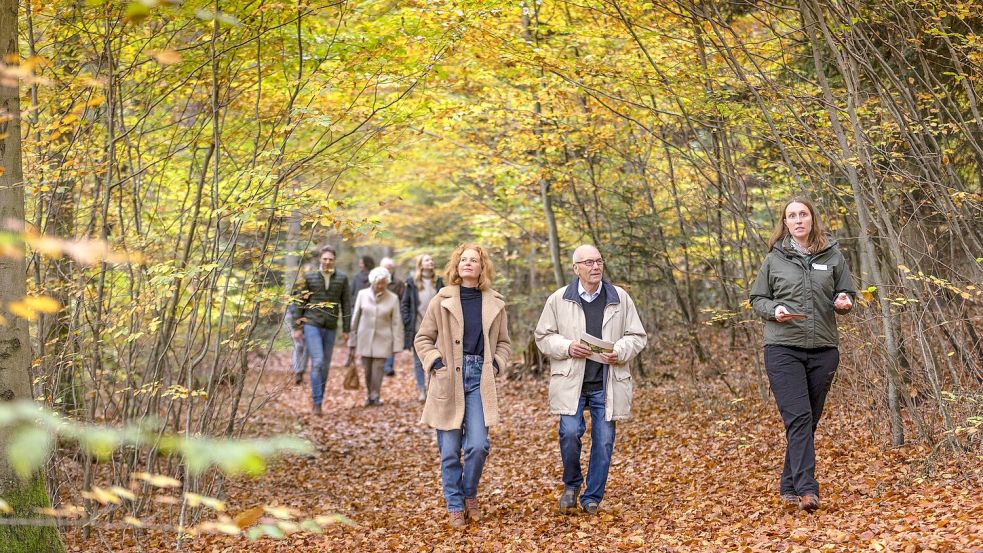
<point x="809" y="502"/>
<point x="299" y="378"/>
<point x="456" y="519"/>
<point x="590" y="507"/>
<point x="316" y="411"/>
<point x="472" y="508"/>
<point x="789" y="501"/>
<point x="568" y="501"/>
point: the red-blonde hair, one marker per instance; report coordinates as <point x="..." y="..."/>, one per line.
<point x="487" y="268"/>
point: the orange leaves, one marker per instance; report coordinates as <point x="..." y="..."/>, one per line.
<point x="166" y="57"/>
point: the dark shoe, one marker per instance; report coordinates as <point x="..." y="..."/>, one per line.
<point x="568" y="501"/>
<point x="590" y="507"/>
<point x="472" y="508"/>
<point x="391" y="373"/>
<point x="378" y="402"/>
<point x="456" y="519"/>
<point x="317" y="410"/>
<point x="809" y="502"/>
<point x="369" y="402"/>
<point x="789" y="501"/>
<point x="299" y="378"/>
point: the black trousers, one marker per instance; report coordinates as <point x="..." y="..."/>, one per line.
<point x="800" y="379"/>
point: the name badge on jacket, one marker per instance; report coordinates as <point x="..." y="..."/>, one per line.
<point x="820" y="267"/>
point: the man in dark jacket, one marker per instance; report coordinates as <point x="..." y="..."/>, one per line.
<point x="320" y="300"/>
<point x="361" y="278"/>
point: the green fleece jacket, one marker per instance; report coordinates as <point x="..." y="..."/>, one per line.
<point x="806" y="285"/>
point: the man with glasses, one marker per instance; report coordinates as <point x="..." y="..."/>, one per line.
<point x="320" y="300"/>
<point x="589" y="305"/>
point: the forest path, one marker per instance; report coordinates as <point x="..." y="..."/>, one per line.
<point x="690" y="473"/>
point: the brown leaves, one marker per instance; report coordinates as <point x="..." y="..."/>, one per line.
<point x="691" y="472"/>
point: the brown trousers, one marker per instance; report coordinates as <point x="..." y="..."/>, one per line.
<point x="373" y="375"/>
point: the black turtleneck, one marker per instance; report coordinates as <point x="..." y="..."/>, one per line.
<point x="474" y="339"/>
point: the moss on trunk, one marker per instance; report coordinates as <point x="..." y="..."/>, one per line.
<point x="24" y="498"/>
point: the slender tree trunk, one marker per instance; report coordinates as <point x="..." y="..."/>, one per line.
<point x="15" y="346"/>
<point x="812" y="17"/>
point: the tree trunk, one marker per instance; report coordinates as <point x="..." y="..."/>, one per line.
<point x="15" y="349"/>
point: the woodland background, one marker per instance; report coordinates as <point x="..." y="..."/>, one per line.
<point x="181" y="159"/>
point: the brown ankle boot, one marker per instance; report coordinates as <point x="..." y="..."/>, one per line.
<point x="472" y="508"/>
<point x="456" y="519"/>
<point x="809" y="502"/>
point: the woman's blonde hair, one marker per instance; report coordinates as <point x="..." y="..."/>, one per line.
<point x="418" y="276"/>
<point x="817" y="236"/>
<point x="487" y="268"/>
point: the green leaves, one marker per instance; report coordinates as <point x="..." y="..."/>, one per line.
<point x="28" y="449"/>
<point x="34" y="432"/>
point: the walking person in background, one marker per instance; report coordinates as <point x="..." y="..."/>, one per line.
<point x="300" y="358"/>
<point x="397" y="287"/>
<point x="377" y="330"/>
<point x="421" y="287"/>
<point x="321" y="301"/>
<point x="589" y="305"/>
<point x="361" y="279"/>
<point x="803" y="283"/>
<point x="463" y="342"/>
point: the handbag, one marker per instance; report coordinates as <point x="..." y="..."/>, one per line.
<point x="351" y="374"/>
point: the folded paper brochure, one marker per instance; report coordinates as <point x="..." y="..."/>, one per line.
<point x="597" y="345"/>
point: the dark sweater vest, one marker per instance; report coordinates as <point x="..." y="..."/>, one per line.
<point x="594" y="319"/>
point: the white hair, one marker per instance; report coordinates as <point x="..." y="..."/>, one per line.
<point x="387" y="261"/>
<point x="377" y="274"/>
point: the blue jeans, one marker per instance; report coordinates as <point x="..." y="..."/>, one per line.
<point x="387" y="369"/>
<point x="421" y="378"/>
<point x="300" y="356"/>
<point x="459" y="480"/>
<point x="320" y="345"/>
<point x="572" y="427"/>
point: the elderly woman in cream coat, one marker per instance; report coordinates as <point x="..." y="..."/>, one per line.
<point x="377" y="330"/>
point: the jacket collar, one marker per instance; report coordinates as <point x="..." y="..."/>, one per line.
<point x="573" y="294"/>
<point x="787" y="251"/>
<point x="491" y="304"/>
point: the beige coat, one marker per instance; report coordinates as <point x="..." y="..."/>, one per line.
<point x="440" y="337"/>
<point x="377" y="327"/>
<point x="562" y="322"/>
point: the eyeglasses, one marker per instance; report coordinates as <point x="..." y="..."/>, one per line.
<point x="590" y="262"/>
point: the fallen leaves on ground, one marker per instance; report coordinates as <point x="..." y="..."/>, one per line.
<point x="691" y="472"/>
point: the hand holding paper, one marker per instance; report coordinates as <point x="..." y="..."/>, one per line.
<point x="598" y="347"/>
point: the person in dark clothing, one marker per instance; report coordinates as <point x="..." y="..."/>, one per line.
<point x="803" y="283"/>
<point x="464" y="341"/>
<point x="421" y="287"/>
<point x="361" y="279"/>
<point x="321" y="299"/>
<point x="397" y="287"/>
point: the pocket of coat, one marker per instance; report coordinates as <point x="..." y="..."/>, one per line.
<point x="622" y="392"/>
<point x="559" y="369"/>
<point x="440" y="383"/>
<point x="621" y="373"/>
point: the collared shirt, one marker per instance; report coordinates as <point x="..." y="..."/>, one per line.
<point x="798" y="248"/>
<point x="587" y="296"/>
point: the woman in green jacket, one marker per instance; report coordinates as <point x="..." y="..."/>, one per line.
<point x="802" y="284"/>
